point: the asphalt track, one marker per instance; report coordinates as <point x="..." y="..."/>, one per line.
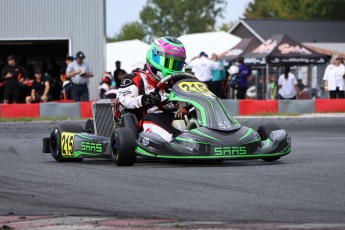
<point x="306" y="186"/>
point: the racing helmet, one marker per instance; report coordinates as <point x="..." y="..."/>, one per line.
<point x="233" y="70"/>
<point x="166" y="56"/>
<point x="106" y="78"/>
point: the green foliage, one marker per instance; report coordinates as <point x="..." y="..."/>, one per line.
<point x="296" y="9"/>
<point x="177" y="17"/>
<point x="226" y="26"/>
<point x="129" y="31"/>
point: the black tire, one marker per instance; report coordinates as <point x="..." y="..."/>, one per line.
<point x="264" y="132"/>
<point x="55" y="141"/>
<point x="89" y="126"/>
<point x="123" y="146"/>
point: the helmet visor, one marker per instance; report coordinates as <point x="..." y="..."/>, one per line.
<point x="173" y="64"/>
<point x="169" y="62"/>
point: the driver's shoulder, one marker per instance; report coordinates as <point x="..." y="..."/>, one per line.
<point x="130" y="79"/>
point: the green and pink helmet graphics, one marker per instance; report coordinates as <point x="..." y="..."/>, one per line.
<point x="167" y="55"/>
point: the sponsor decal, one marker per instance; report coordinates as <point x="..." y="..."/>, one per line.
<point x="230" y="151"/>
<point x="286" y="49"/>
<point x="125" y="93"/>
<point x="224" y="125"/>
<point x="145" y="141"/>
<point x="235" y="52"/>
<point x="266" y="47"/>
<point x="126" y="82"/>
<point x="197" y="87"/>
<point x="67" y="144"/>
<point x="91" y="147"/>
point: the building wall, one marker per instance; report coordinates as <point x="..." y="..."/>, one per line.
<point x="80" y="21"/>
<point x="242" y="32"/>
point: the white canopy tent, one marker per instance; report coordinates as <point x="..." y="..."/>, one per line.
<point x="209" y="42"/>
<point x="131" y="53"/>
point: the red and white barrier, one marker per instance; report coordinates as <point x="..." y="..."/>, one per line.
<point x="236" y="107"/>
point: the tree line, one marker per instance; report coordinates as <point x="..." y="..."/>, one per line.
<point x="175" y="18"/>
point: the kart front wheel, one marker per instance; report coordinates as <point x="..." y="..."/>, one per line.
<point x="123" y="146"/>
<point x="264" y="131"/>
<point x="55" y="141"/>
<point x="89" y="126"/>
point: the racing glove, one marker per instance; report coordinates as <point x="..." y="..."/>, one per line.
<point x="151" y="99"/>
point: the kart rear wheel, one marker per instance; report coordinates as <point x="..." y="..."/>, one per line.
<point x="264" y="132"/>
<point x="89" y="126"/>
<point x="123" y="146"/>
<point x="55" y="141"/>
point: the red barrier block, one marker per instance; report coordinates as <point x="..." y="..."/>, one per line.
<point x="252" y="107"/>
<point x="85" y="109"/>
<point x="19" y="110"/>
<point x="329" y="105"/>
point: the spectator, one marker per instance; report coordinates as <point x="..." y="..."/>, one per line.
<point x="12" y="74"/>
<point x="188" y="69"/>
<point x="245" y="76"/>
<point x="123" y="73"/>
<point x="287" y="85"/>
<point x="40" y="89"/>
<point x="233" y="81"/>
<point x="218" y="77"/>
<point x="334" y="78"/>
<point x="66" y="93"/>
<point x="300" y="85"/>
<point x="105" y="84"/>
<point x="79" y="72"/>
<point x="272" y="88"/>
<point x="26" y="83"/>
<point x="117" y="72"/>
<point x="202" y="68"/>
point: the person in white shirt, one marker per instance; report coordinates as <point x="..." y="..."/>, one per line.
<point x="334" y="78"/>
<point x="79" y="72"/>
<point x="202" y="68"/>
<point x="287" y="84"/>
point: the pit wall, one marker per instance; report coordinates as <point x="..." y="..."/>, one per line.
<point x="82" y="110"/>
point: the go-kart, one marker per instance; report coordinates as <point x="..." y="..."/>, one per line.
<point x="208" y="131"/>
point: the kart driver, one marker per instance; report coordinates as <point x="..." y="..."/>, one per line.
<point x="166" y="56"/>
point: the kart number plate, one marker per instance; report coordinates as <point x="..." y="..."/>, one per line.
<point x="67" y="144"/>
<point x="194" y="87"/>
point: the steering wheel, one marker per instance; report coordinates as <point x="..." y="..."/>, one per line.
<point x="171" y="78"/>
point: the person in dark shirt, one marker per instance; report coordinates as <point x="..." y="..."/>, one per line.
<point x="40" y="89"/>
<point x="118" y="74"/>
<point x="66" y="93"/>
<point x="12" y="74"/>
<point x="245" y="76"/>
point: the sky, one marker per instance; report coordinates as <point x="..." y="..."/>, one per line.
<point x="120" y="12"/>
